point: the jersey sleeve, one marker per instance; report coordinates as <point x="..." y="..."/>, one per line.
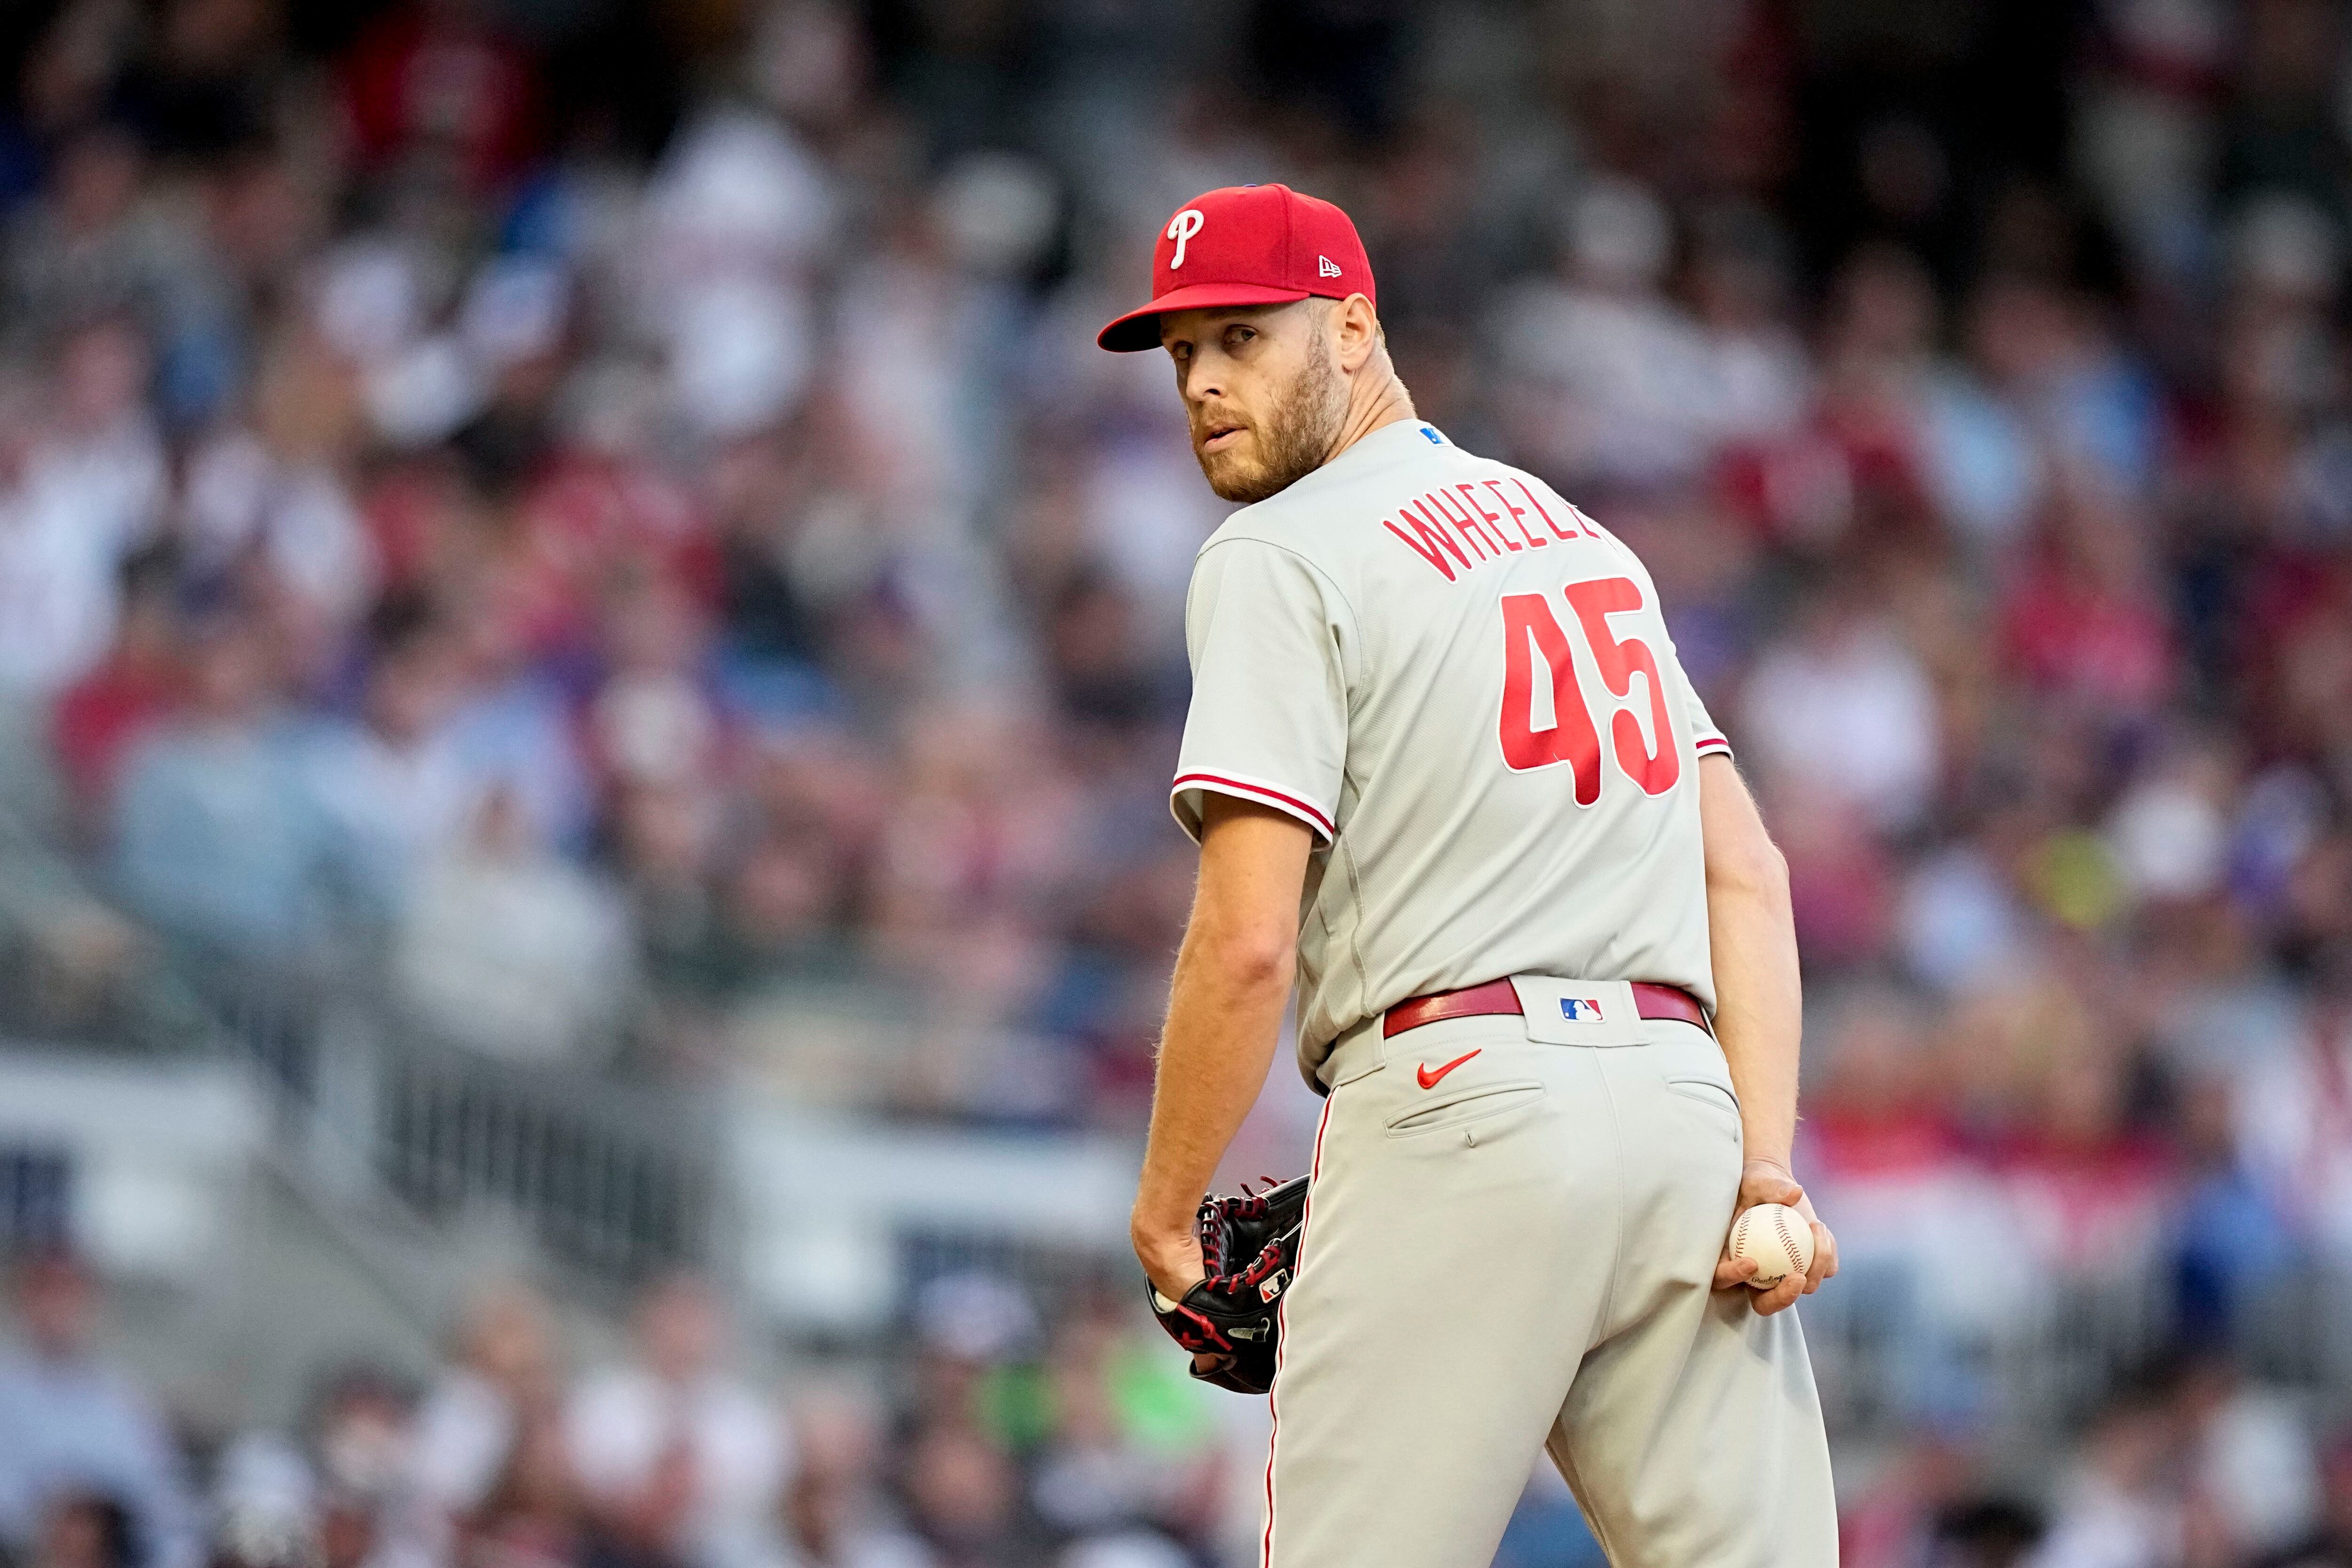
<point x="1269" y="639"/>
<point x="1707" y="735"/>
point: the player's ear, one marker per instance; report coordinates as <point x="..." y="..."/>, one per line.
<point x="1355" y="333"/>
<point x="1358" y="332"/>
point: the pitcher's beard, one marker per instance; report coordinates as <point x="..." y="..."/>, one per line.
<point x="1293" y="441"/>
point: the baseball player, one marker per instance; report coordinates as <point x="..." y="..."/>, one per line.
<point x="1446" y="773"/>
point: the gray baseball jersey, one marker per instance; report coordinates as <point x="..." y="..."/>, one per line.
<point x="1464" y="687"/>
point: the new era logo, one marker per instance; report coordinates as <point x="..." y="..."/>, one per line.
<point x="1328" y="267"/>
<point x="1580" y="1009"/>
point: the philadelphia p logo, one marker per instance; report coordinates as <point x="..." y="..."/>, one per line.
<point x="1180" y="228"/>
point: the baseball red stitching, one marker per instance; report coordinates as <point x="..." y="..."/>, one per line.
<point x="1788" y="1242"/>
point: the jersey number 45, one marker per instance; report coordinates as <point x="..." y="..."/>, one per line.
<point x="1530" y="628"/>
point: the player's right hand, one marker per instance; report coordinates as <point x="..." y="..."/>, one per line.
<point x="1770" y="1181"/>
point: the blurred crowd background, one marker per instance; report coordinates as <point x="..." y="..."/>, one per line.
<point x="589" y="541"/>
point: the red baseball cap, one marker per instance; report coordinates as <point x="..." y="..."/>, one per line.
<point x="1246" y="245"/>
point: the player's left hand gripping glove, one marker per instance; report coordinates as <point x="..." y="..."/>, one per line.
<point x="1250" y="1247"/>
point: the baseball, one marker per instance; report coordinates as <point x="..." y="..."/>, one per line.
<point x="1777" y="1238"/>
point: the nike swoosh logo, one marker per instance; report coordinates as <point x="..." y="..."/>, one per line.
<point x="1429" y="1079"/>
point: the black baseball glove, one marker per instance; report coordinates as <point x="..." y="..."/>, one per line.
<point x="1250" y="1247"/>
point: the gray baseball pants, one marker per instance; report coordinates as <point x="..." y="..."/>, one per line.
<point x="1519" y="1257"/>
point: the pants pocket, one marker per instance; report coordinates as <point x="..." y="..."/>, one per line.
<point x="1710" y="1092"/>
<point x="1487" y="1100"/>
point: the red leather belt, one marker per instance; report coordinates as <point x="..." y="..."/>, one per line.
<point x="1661" y="1002"/>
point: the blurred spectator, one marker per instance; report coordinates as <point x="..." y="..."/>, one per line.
<point x="1618" y="389"/>
<point x="513" y="951"/>
<point x="2330" y="1542"/>
<point x="2081" y="623"/>
<point x="2295" y="1120"/>
<point x="1102" y="672"/>
<point x="976" y="1336"/>
<point x="216" y="838"/>
<point x="96" y="241"/>
<point x="2122" y="1508"/>
<point x="654" y="722"/>
<point x="674" y="1452"/>
<point x="835" y="1514"/>
<point x="345" y="1498"/>
<point x="274" y="501"/>
<point x="2085" y="1185"/>
<point x="388" y="787"/>
<point x="1916" y="1505"/>
<point x="81" y="487"/>
<point x="1844" y="710"/>
<point x="103" y="715"/>
<point x="963" y="1500"/>
<point x="735" y="216"/>
<point x="532" y="1515"/>
<point x="1130" y="1450"/>
<point x="80" y="1530"/>
<point x="504" y="1371"/>
<point x="433" y="87"/>
<point x="2236" y="1250"/>
<point x="361" y="1430"/>
<point x="2250" y="1471"/>
<point x="88" y="1473"/>
<point x="513" y="730"/>
<point x="1759" y="373"/>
